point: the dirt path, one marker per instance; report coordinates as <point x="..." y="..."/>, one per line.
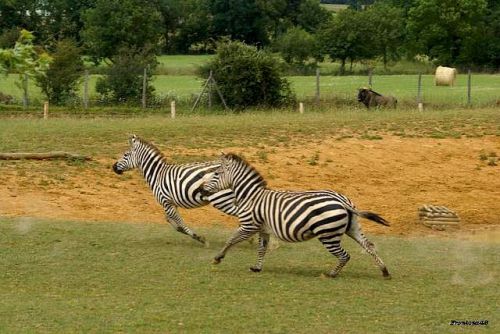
<point x="393" y="177"/>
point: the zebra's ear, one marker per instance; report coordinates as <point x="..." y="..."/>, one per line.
<point x="132" y="138"/>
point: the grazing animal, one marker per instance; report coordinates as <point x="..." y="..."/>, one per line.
<point x="174" y="185"/>
<point x="371" y="98"/>
<point x="291" y="216"/>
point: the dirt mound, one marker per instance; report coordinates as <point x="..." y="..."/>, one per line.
<point x="393" y="177"/>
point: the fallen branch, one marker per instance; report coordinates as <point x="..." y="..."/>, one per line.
<point x="42" y="156"/>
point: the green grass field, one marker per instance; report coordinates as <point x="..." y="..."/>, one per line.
<point x="87" y="135"/>
<point x="485" y="88"/>
<point x="60" y="277"/>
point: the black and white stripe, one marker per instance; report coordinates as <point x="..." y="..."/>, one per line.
<point x="291" y="216"/>
<point x="174" y="185"/>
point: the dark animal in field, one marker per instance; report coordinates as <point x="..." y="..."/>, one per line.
<point x="6" y="98"/>
<point x="371" y="98"/>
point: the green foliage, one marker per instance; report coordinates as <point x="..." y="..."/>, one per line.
<point x="439" y="28"/>
<point x="386" y="29"/>
<point x="114" y="24"/>
<point x="248" y="77"/>
<point x="124" y="77"/>
<point x="239" y="20"/>
<point x="24" y="60"/>
<point x="297" y="46"/>
<point x="347" y="36"/>
<point x="61" y="79"/>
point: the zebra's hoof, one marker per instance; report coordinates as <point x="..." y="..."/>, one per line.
<point x="388" y="276"/>
<point x="216" y="261"/>
<point x="328" y="275"/>
<point x="255" y="269"/>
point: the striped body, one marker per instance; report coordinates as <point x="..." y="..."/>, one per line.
<point x="174" y="185"/>
<point x="290" y="216"/>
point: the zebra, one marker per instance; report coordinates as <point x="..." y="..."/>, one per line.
<point x="290" y="215"/>
<point x="174" y="185"/>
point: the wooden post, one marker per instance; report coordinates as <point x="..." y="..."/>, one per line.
<point x="46" y="110"/>
<point x="172" y="109"/>
<point x="144" y="87"/>
<point x="25" y="92"/>
<point x="317" y="87"/>
<point x="210" y="92"/>
<point x="469" y="87"/>
<point x="86" y="90"/>
<point x="301" y="107"/>
<point x="419" y="93"/>
<point x="370" y="73"/>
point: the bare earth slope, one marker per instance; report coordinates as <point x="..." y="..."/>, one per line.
<point x="393" y="177"/>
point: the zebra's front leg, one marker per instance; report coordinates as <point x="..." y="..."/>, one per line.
<point x="263" y="243"/>
<point x="241" y="234"/>
<point x="176" y="221"/>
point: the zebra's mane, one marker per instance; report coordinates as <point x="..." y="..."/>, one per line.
<point x="242" y="160"/>
<point x="152" y="148"/>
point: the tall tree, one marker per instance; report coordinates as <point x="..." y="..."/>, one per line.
<point x="114" y="24"/>
<point x="347" y="36"/>
<point x="387" y="30"/>
<point x="239" y="20"/>
<point x="438" y="28"/>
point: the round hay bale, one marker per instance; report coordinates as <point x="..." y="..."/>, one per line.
<point x="445" y="76"/>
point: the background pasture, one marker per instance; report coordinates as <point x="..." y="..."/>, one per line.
<point x="175" y="78"/>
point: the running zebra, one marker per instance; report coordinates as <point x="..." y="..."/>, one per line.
<point x="291" y="216"/>
<point x="174" y="185"/>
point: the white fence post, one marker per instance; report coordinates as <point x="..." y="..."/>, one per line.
<point x="172" y="109"/>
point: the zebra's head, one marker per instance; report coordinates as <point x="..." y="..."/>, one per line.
<point x="129" y="159"/>
<point x="220" y="178"/>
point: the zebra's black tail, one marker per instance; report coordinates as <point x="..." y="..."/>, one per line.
<point x="372" y="216"/>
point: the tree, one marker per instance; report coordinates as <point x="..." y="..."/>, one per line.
<point x="239" y="20"/>
<point x="311" y="15"/>
<point x="124" y="77"/>
<point x="297" y="46"/>
<point x="61" y="78"/>
<point x="438" y="28"/>
<point x="248" y="77"/>
<point x="114" y="24"/>
<point x="347" y="36"/>
<point x="186" y="27"/>
<point x="24" y="60"/>
<point x="386" y="27"/>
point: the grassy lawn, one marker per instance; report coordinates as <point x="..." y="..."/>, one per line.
<point x="104" y="136"/>
<point x="60" y="277"/>
<point x="343" y="88"/>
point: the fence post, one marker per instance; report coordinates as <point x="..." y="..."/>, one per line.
<point x="46" y="110"/>
<point x="317" y="87"/>
<point x="469" y="84"/>
<point x="301" y="107"/>
<point x="370" y="73"/>
<point x="172" y="109"/>
<point x="419" y="93"/>
<point x="86" y="90"/>
<point x="144" y="87"/>
<point x="25" y="92"/>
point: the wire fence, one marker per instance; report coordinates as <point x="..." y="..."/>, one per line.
<point x="469" y="89"/>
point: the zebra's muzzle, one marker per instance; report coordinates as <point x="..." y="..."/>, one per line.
<point x="116" y="170"/>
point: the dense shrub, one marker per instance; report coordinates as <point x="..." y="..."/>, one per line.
<point x="248" y="77"/>
<point x="123" y="80"/>
<point x="59" y="83"/>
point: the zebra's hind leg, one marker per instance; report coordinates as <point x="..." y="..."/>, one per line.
<point x="332" y="244"/>
<point x="355" y="233"/>
<point x="175" y="220"/>
<point x="263" y="243"/>
<point x="241" y="234"/>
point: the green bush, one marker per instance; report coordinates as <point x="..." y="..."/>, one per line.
<point x="248" y="77"/>
<point x="60" y="81"/>
<point x="123" y="80"/>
